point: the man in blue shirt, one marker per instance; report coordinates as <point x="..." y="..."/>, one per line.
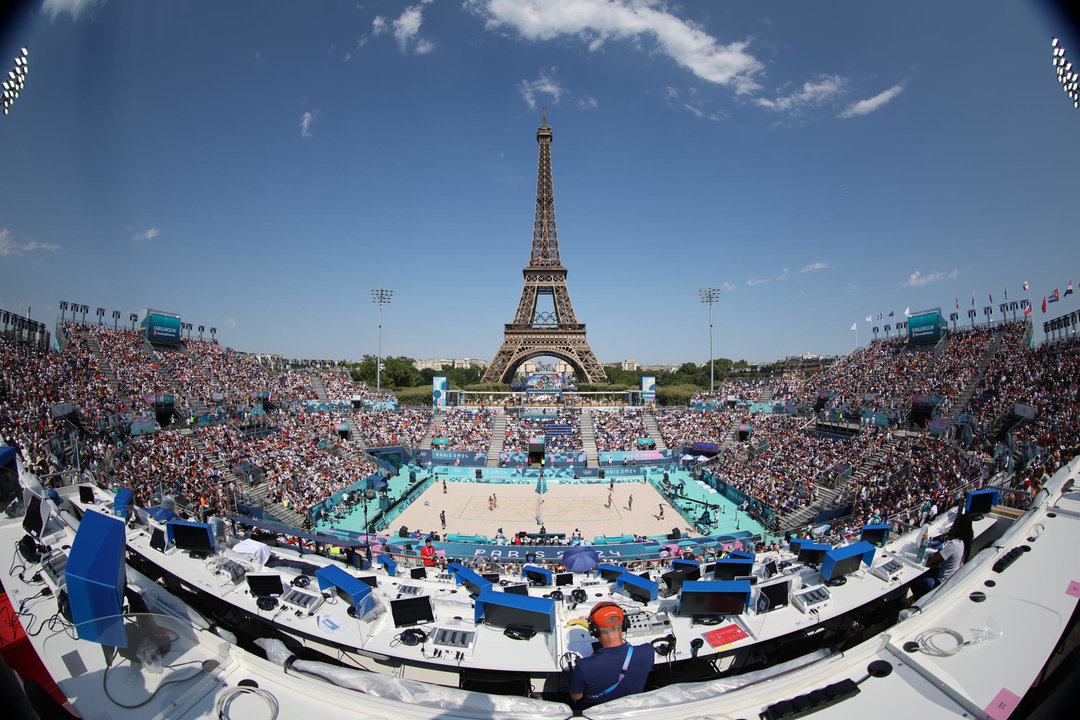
<point x="617" y="669"/>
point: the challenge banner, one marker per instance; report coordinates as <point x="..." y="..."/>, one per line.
<point x="648" y="388"/>
<point x="438" y="391"/>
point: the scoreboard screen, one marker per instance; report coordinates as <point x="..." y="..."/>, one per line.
<point x="925" y="328"/>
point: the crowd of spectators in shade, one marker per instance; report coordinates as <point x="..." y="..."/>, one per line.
<point x="684" y="427"/>
<point x="561" y="432"/>
<point x="618" y="430"/>
<point x="467" y="430"/>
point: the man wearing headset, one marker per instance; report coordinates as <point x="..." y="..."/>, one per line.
<point x="615" y="670"/>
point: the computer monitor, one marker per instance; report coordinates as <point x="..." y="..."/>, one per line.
<point x="843" y="567"/>
<point x="770" y="568"/>
<point x="369" y="580"/>
<point x="418" y="573"/>
<point x="610" y="572"/>
<point x="876" y="535"/>
<point x="731" y="568"/>
<point x="519" y="589"/>
<point x="713" y="603"/>
<point x="264" y="584"/>
<point x="86" y="495"/>
<point x="506" y="616"/>
<point x="473" y="587"/>
<point x="636" y="593"/>
<point x="773" y="596"/>
<point x="797" y="543"/>
<point x="812" y="555"/>
<point x="157" y="539"/>
<point x="193" y="537"/>
<point x="412" y="611"/>
<point x="564" y="578"/>
<point x="490" y="577"/>
<point x="36" y="515"/>
<point x="536" y="577"/>
<point x="646" y="575"/>
<point x="674" y="580"/>
<point x="980" y="502"/>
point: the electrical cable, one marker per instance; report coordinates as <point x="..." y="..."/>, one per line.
<point x="226" y="696"/>
<point x="926" y="642"/>
<point x="105" y="687"/>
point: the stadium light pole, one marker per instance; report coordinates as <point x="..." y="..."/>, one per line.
<point x="380" y="296"/>
<point x="709" y="296"/>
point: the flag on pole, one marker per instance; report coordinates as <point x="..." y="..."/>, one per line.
<point x="991" y="294"/>
<point x="879" y="316"/>
<point x="869" y="318"/>
<point x="1054" y="296"/>
<point x="1068" y="290"/>
<point x="972" y="299"/>
<point x="1044" y="304"/>
<point x="1025" y="285"/>
<point x="907" y="311"/>
<point x="854" y="326"/>
<point x="957" y="303"/>
<point x="1027" y="310"/>
<point x="890" y="313"/>
<point x="1006" y="294"/>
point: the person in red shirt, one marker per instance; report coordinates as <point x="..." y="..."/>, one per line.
<point x="427" y="553"/>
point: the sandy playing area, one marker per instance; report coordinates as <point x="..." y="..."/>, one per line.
<point x="565" y="508"/>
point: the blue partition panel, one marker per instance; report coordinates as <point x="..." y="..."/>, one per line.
<point x="994" y="496"/>
<point x="611" y="570"/>
<point x="96" y="578"/>
<point x="861" y="548"/>
<point x="387" y="562"/>
<point x="515" y="611"/>
<point x="537" y="569"/>
<point x="640" y="583"/>
<point x="122" y="502"/>
<point x="467" y="576"/>
<point x="331" y="576"/>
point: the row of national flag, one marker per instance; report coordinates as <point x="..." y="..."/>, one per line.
<point x="1053" y="297"/>
<point x="1047" y="300"/>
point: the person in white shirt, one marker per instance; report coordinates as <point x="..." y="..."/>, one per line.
<point x="947" y="560"/>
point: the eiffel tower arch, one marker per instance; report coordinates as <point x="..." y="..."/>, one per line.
<point x="535" y="332"/>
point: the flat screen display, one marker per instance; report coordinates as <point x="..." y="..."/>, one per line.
<point x="875" y="536"/>
<point x="731" y="569"/>
<point x="195" y="538"/>
<point x="412" y="611"/>
<point x="264" y="584"/>
<point x="86" y="495"/>
<point x="517" y="589"/>
<point x="418" y="573"/>
<point x="511" y="617"/>
<point x="711" y="603"/>
<point x="812" y="556"/>
<point x="32" y="522"/>
<point x="369" y="580"/>
<point x="490" y="577"/>
<point x="536" y="577"/>
<point x="774" y="595"/>
<point x="565" y="578"/>
<point x="843" y="567"/>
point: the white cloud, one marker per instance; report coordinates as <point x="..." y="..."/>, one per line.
<point x="545" y="84"/>
<point x="727" y="287"/>
<point x="8" y="245"/>
<point x="694" y="110"/>
<point x="306" y="121"/>
<point x="148" y="234"/>
<point x="74" y="8"/>
<point x="229" y="322"/>
<point x="917" y="279"/>
<point x="815" y="266"/>
<point x="865" y="107"/>
<point x="586" y="103"/>
<point x="594" y="22"/>
<point x="753" y="282"/>
<point x="813" y="92"/>
<point x="406" y="29"/>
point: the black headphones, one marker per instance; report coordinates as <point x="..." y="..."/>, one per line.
<point x="301" y="581"/>
<point x="664" y="646"/>
<point x="412" y="637"/>
<point x="578" y="595"/>
<point x="603" y="608"/>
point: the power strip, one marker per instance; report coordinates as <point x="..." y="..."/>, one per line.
<point x="812" y="599"/>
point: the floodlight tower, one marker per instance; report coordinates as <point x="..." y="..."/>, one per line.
<point x="16" y="80"/>
<point x="709" y="296"/>
<point x="380" y="296"/>
<point x="1070" y="81"/>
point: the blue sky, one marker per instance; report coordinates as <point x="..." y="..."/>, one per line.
<point x="260" y="166"/>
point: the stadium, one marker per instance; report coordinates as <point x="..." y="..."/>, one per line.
<point x="198" y="530"/>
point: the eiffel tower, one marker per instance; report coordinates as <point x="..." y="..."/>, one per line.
<point x="535" y="333"/>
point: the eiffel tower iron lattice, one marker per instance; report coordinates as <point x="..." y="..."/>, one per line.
<point x="536" y="333"/>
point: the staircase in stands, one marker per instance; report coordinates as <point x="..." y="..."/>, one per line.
<point x="588" y="440"/>
<point x="653" y="429"/>
<point x="498" y="437"/>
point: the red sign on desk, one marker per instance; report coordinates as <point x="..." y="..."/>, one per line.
<point x="724" y="635"/>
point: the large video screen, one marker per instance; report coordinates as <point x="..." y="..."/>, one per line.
<point x="924" y="328"/>
<point x="162" y="329"/>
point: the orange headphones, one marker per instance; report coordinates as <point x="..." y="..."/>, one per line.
<point x="607" y="614"/>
